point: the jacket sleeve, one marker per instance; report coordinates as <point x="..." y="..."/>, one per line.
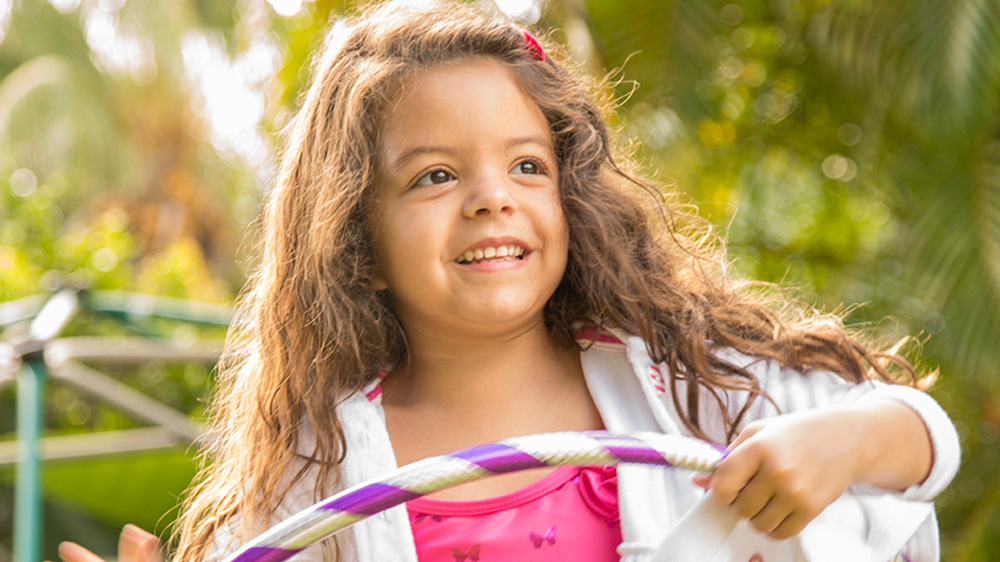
<point x="867" y="523"/>
<point x="792" y="391"/>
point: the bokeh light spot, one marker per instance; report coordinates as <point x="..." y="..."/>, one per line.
<point x="731" y="14"/>
<point x="839" y="167"/>
<point x="849" y="134"/>
<point x="286" y="8"/>
<point x="104" y="260"/>
<point x="23" y="182"/>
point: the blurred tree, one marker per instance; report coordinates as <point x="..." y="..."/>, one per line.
<point x="851" y="149"/>
<point x="94" y="106"/>
<point x="108" y="179"/>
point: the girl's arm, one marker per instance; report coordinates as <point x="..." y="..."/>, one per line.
<point x="783" y="471"/>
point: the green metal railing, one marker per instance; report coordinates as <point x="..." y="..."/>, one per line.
<point x="37" y="354"/>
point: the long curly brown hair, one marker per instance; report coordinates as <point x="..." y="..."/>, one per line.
<point x="310" y="329"/>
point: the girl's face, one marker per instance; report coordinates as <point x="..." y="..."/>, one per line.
<point x="469" y="231"/>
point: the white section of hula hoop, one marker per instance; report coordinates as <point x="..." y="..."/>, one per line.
<point x="435" y="473"/>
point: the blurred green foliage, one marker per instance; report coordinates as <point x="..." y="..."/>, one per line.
<point x="38" y="244"/>
<point x="848" y="149"/>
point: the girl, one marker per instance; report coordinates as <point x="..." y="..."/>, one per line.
<point x="451" y="256"/>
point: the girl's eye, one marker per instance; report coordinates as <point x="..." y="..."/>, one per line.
<point x="435" y="177"/>
<point x="528" y="167"/>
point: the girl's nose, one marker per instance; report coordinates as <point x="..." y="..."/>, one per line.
<point x="489" y="195"/>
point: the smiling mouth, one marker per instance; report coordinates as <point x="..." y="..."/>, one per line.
<point x="492" y="254"/>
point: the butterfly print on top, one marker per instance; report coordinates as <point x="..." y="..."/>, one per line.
<point x="539" y="540"/>
<point x="472" y="555"/>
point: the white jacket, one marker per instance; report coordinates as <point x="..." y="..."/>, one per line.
<point x="664" y="516"/>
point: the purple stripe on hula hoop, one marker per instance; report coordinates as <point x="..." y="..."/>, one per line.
<point x="497" y="457"/>
<point x="265" y="554"/>
<point x="637" y="452"/>
<point x="722" y="449"/>
<point x="371" y="499"/>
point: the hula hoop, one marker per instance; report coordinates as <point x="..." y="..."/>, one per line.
<point x="580" y="448"/>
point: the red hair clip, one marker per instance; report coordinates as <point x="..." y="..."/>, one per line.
<point x="534" y="46"/>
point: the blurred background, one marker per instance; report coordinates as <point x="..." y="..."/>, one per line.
<point x="848" y="148"/>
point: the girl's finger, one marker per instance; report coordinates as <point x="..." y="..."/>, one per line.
<point x="791" y="526"/>
<point x="72" y="552"/>
<point x="752" y="499"/>
<point x="733" y="474"/>
<point x="773" y="515"/>
<point x="138" y="545"/>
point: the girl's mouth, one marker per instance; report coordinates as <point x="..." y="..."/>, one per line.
<point x="508" y="252"/>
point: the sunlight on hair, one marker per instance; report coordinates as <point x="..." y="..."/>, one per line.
<point x="525" y="12"/>
<point x="335" y="40"/>
<point x="416" y="5"/>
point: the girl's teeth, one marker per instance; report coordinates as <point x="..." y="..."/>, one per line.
<point x="501" y="252"/>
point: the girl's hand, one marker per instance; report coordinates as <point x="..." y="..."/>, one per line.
<point x="782" y="472"/>
<point x="134" y="545"/>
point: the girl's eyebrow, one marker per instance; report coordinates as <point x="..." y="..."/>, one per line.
<point x="414" y="151"/>
<point x="410" y="153"/>
<point x="539" y="140"/>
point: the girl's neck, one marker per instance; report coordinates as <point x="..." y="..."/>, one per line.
<point x="480" y="371"/>
<point x="456" y="394"/>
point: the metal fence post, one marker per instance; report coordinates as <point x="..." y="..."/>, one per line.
<point x="47" y="324"/>
<point x="28" y="491"/>
<point x="26" y="353"/>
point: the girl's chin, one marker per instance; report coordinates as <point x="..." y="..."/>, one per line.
<point x="501" y="321"/>
<point x="486" y="313"/>
<point x="496" y="322"/>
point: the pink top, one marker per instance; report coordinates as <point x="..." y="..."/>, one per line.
<point x="570" y="514"/>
